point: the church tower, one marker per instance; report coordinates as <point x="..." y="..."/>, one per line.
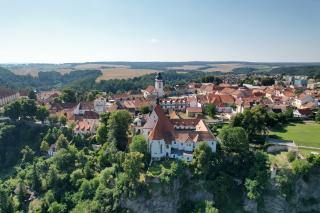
<point x="159" y="85"/>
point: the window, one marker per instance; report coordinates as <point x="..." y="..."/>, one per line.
<point x="161" y="148"/>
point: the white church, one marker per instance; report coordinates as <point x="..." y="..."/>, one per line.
<point x="155" y="91"/>
<point x="175" y="138"/>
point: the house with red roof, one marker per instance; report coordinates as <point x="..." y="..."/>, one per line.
<point x="175" y="138"/>
<point x="86" y="126"/>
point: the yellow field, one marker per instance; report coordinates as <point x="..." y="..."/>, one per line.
<point x="26" y="71"/>
<point x="123" y="73"/>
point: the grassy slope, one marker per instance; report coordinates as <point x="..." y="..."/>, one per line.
<point x="302" y="134"/>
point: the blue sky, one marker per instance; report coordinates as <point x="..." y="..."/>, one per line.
<point x="159" y="30"/>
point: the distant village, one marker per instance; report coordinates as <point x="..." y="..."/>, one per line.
<point x="173" y="121"/>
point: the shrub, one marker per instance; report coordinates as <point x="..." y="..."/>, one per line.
<point x="291" y="155"/>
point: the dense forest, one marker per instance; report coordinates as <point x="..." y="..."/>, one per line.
<point x="312" y="71"/>
<point x="83" y="80"/>
<point x="47" y="80"/>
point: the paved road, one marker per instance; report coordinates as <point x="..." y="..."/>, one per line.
<point x="288" y="143"/>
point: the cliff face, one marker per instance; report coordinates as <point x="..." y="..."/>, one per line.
<point x="306" y="197"/>
<point x="167" y="198"/>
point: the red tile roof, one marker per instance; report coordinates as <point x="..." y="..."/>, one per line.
<point x="5" y="92"/>
<point x="163" y="129"/>
<point x="194" y="109"/>
<point x="150" y="89"/>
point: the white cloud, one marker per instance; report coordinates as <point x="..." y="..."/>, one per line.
<point x="154" y="41"/>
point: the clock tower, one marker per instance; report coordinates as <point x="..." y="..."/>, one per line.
<point x="159" y="85"/>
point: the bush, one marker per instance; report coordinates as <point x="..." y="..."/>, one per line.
<point x="291" y="155"/>
<point x="300" y="167"/>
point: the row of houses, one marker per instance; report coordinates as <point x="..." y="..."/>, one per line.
<point x="9" y="95"/>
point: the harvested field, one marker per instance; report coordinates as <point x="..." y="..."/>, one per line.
<point x="26" y="71"/>
<point x="186" y="67"/>
<point x="99" y="66"/>
<point x="123" y="73"/>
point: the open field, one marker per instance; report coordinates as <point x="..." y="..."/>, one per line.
<point x="223" y="67"/>
<point x="130" y="70"/>
<point x="26" y="71"/>
<point x="186" y="67"/>
<point x="123" y="73"/>
<point x="99" y="66"/>
<point x="303" y="134"/>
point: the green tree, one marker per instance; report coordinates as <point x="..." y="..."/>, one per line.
<point x="118" y="127"/>
<point x="252" y="189"/>
<point x="317" y="118"/>
<point x="27" y="154"/>
<point x="6" y="138"/>
<point x="258" y="176"/>
<point x="42" y="113"/>
<point x="62" y="142"/>
<point x="12" y="110"/>
<point x="139" y="144"/>
<point x="102" y="134"/>
<point x="288" y="114"/>
<point x="204" y="207"/>
<point x="6" y="204"/>
<point x="68" y="95"/>
<point x="35" y="179"/>
<point x="133" y="165"/>
<point x="253" y="121"/>
<point x="202" y="156"/>
<point x="234" y="140"/>
<point x="300" y="167"/>
<point x="44" y="147"/>
<point x="28" y="108"/>
<point x="22" y="194"/>
<point x="145" y="110"/>
<point x="56" y="207"/>
<point x="211" y="110"/>
<point x="104" y="117"/>
<point x="63" y="120"/>
<point x="32" y="95"/>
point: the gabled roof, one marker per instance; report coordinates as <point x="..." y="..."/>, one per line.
<point x="5" y="92"/>
<point x="194" y="109"/>
<point x="136" y="103"/>
<point x="174" y="115"/>
<point x="185" y="122"/>
<point x="305" y="112"/>
<point x="150" y="89"/>
<point x="86" y="105"/>
<point x="163" y="128"/>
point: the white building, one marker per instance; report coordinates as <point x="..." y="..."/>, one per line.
<point x="166" y="141"/>
<point x="157" y="90"/>
<point x="100" y="105"/>
<point x="7" y="96"/>
<point x="302" y="99"/>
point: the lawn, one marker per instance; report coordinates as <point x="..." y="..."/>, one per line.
<point x="304" y="134"/>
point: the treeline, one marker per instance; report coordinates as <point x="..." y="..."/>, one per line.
<point x="47" y="80"/>
<point x="137" y="83"/>
<point x="311" y="71"/>
<point x="244" y="70"/>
